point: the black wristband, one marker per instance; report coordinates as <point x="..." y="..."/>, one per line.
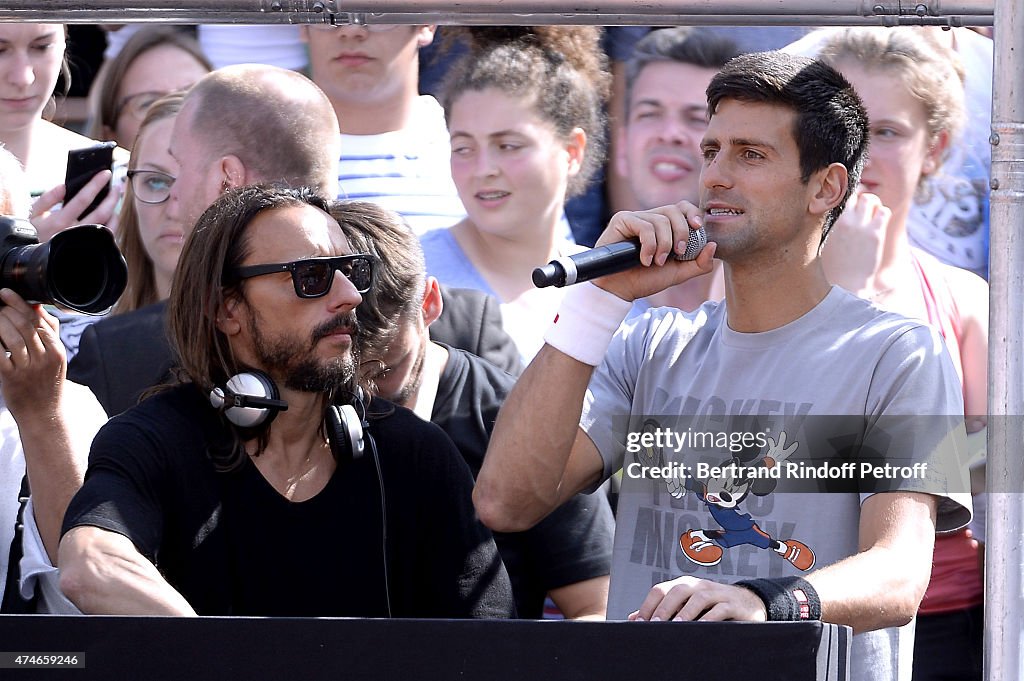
<point x="786" y="599"/>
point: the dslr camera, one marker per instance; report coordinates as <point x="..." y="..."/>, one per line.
<point x="80" y="268"/>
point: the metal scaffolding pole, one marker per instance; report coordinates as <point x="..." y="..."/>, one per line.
<point x="511" y="12"/>
<point x="1004" y="580"/>
<point x="1004" y="633"/>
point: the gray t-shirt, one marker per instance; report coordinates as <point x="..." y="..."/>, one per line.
<point x="792" y="400"/>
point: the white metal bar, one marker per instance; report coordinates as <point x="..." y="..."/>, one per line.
<point x="1004" y="556"/>
<point x="1005" y="551"/>
<point x="510" y="12"/>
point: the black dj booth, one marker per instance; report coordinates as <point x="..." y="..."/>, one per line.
<point x="229" y="648"/>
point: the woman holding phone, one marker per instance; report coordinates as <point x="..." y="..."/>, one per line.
<point x="32" y="57"/>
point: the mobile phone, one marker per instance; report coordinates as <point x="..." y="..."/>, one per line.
<point x="83" y="164"/>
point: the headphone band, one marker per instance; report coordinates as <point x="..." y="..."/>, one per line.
<point x="232" y="399"/>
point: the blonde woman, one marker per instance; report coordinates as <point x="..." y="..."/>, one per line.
<point x="913" y="93"/>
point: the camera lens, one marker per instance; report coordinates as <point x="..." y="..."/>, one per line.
<point x="86" y="271"/>
<point x="80" y="268"/>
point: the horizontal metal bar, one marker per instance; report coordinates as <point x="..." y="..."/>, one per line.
<point x="461" y="19"/>
<point x="509" y="12"/>
<point x="502" y="7"/>
<point x="748" y="7"/>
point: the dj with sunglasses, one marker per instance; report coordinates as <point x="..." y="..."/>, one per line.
<point x="242" y="490"/>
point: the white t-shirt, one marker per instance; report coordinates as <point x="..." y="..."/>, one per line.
<point x="48" y="161"/>
<point x="277" y="45"/>
<point x="84" y="417"/>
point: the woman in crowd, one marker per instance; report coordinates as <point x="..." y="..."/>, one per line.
<point x="150" y="241"/>
<point x="913" y="94"/>
<point x="32" y="57"/>
<point x="155" y="61"/>
<point x="525" y="114"/>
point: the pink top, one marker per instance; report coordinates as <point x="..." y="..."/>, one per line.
<point x="957" y="581"/>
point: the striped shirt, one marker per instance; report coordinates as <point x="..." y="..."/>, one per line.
<point x="406" y="171"/>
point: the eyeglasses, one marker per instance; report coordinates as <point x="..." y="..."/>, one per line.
<point x="151" y="186"/>
<point x="372" y="28"/>
<point x="138" y="104"/>
<point x="313" y="277"/>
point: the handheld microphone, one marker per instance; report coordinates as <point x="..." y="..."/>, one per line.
<point x="605" y="260"/>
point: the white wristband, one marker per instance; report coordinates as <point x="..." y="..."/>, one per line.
<point x="586" y="321"/>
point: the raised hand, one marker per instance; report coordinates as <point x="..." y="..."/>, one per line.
<point x="48" y="221"/>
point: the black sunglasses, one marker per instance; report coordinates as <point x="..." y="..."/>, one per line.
<point x="313" y="276"/>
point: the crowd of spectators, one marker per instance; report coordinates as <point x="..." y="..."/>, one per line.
<point x="345" y="219"/>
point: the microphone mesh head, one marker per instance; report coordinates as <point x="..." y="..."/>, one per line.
<point x="698" y="239"/>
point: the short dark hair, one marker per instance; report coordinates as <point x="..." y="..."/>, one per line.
<point x="682" y="44"/>
<point x="203" y="282"/>
<point x="831" y="125"/>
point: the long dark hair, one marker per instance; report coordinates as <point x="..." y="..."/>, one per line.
<point x="203" y="283"/>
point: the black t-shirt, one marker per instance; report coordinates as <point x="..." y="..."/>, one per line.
<point x="233" y="546"/>
<point x="572" y="544"/>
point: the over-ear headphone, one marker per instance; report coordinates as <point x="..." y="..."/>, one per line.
<point x="251" y="399"/>
<point x="345" y="426"/>
<point x="248" y="400"/>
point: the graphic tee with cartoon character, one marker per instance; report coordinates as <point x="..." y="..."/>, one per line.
<point x="720" y="433"/>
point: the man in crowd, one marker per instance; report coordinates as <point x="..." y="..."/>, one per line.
<point x="217" y="496"/>
<point x="568" y="554"/>
<point x="394" y="141"/>
<point x="658" y="152"/>
<point x="238" y="125"/>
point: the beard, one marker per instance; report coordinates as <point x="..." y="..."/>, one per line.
<point x="412" y="386"/>
<point x="378" y="374"/>
<point x="296" y="361"/>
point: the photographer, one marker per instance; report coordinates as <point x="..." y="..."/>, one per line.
<point x="46" y="425"/>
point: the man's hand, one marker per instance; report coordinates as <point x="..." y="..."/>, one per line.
<point x="48" y="222"/>
<point x="688" y="599"/>
<point x="32" y="368"/>
<point x="663" y="232"/>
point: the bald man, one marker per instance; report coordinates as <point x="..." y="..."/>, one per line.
<point x="248" y="124"/>
<point x="239" y="125"/>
